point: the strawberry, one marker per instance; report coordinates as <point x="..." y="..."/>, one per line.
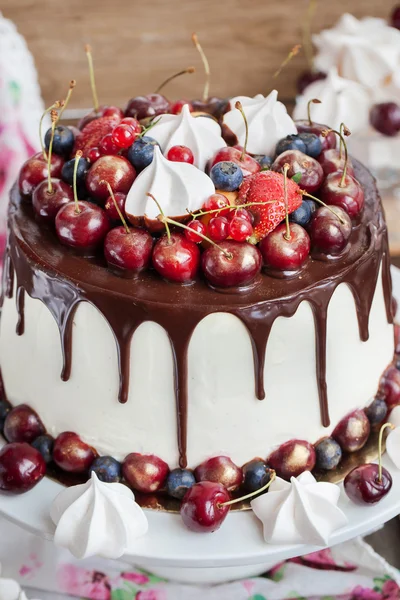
<point x="267" y="186"/>
<point x="92" y="134"/>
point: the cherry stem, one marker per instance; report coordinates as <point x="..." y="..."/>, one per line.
<point x="153" y="122"/>
<point x="307" y="40"/>
<point x="54" y="120"/>
<point x="78" y="156"/>
<point x="242" y="498"/>
<point x="341" y="135"/>
<point x="164" y="83"/>
<point x="201" y="213"/>
<point x="380" y="441"/>
<point x="304" y="193"/>
<point x="206" y="65"/>
<point x="56" y="104"/>
<point x="285" y="172"/>
<point x="343" y="131"/>
<point x="64" y="103"/>
<point x="162" y="214"/>
<point x="166" y="220"/>
<point x="294" y="51"/>
<point x="117" y="208"/>
<point x="239" y="107"/>
<point x="88" y="51"/>
<point x="312" y="101"/>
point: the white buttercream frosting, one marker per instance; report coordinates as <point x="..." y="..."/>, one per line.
<point x="201" y="134"/>
<point x="177" y="186"/>
<point x="268" y="122"/>
<point x="98" y="518"/>
<point x="364" y="50"/>
<point x="393" y="439"/>
<point x="302" y="511"/>
<point x="342" y="100"/>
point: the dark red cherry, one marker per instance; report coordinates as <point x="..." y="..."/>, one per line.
<point x="395" y="17"/>
<point x="177" y="259"/>
<point x="83" y="230"/>
<point x="71" y="454"/>
<point x="328" y="141"/>
<point x="128" y="251"/>
<point x="286" y="254"/>
<point x="385" y="118"/>
<point x="310" y="170"/>
<point x="248" y="165"/>
<point x="306" y="78"/>
<point x="34" y="171"/>
<point x="347" y="194"/>
<point x="147" y="106"/>
<point x="331" y="161"/>
<point x="21" y="468"/>
<point x="330" y="234"/>
<point x="110" y="208"/>
<point x="231" y="264"/>
<point x="364" y="486"/>
<point x="201" y="508"/>
<point x="22" y="424"/>
<point x="115" y="170"/>
<point x="47" y="204"/>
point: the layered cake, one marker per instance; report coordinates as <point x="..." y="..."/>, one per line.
<point x="202" y="286"/>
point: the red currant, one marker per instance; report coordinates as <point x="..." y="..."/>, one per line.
<point x="216" y="201"/>
<point x="180" y="154"/>
<point x="218" y="228"/>
<point x="107" y="145"/>
<point x="123" y="136"/>
<point x="196" y="226"/>
<point x="93" y="154"/>
<point x="240" y="229"/>
<point x="133" y="123"/>
<point x="176" y="108"/>
<point x="112" y="111"/>
<point x="242" y="213"/>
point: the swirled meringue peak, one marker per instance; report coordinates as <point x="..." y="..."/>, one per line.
<point x="300" y="512"/>
<point x="98" y="518"/>
<point x="268" y="122"/>
<point x="342" y="100"/>
<point x="177" y="186"/>
<point x="201" y="134"/>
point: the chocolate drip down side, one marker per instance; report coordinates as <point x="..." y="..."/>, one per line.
<point x="47" y="271"/>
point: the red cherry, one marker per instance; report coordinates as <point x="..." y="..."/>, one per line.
<point x="180" y="154"/>
<point x="22" y="424"/>
<point x="84" y="230"/>
<point x="349" y="196"/>
<point x="145" y="472"/>
<point x="34" y="171"/>
<point x="248" y="165"/>
<point x="147" y="106"/>
<point x="218" y="228"/>
<point x="239" y="268"/>
<point x="307" y="78"/>
<point x="364" y="486"/>
<point x="116" y="170"/>
<point x="220" y="469"/>
<point x="133" y="124"/>
<point x="328" y="141"/>
<point x="331" y="161"/>
<point x="107" y="146"/>
<point x="395" y="17"/>
<point x="195" y="225"/>
<point x="47" y="204"/>
<point x="130" y="251"/>
<point x="216" y="201"/>
<point x="71" y="454"/>
<point x="328" y="233"/>
<point x="292" y="458"/>
<point x="201" y="508"/>
<point x="286" y="254"/>
<point x="176" y="107"/>
<point x="352" y="431"/>
<point x="240" y="229"/>
<point x="389" y="386"/>
<point x="21" y="468"/>
<point x="123" y="136"/>
<point x="177" y="259"/>
<point x="385" y="118"/>
<point x="110" y="209"/>
<point x="311" y="171"/>
<point x="93" y="154"/>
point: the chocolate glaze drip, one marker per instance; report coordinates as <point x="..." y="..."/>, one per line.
<point x="60" y="279"/>
<point x="20" y="301"/>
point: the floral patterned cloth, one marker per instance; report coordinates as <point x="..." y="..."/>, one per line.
<point x="350" y="571"/>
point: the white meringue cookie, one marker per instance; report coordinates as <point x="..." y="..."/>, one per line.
<point x="177" y="186"/>
<point x="300" y="512"/>
<point x="10" y="590"/>
<point x="268" y="122"/>
<point x="201" y="134"/>
<point x="98" y="518"/>
<point x="342" y="101"/>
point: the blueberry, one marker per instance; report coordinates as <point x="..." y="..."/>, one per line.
<point x="376" y="411"/>
<point x="312" y="204"/>
<point x="256" y="474"/>
<point x="301" y="215"/>
<point x="312" y="143"/>
<point x="4" y="410"/>
<point x="141" y="153"/>
<point x="44" y="444"/>
<point x="179" y="481"/>
<point x="63" y="140"/>
<point x="329" y="454"/>
<point x="226" y="176"/>
<point x="67" y="174"/>
<point x="107" y="469"/>
<point x="264" y="161"/>
<point x="290" y="142"/>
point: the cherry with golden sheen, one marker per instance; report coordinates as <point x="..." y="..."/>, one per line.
<point x="328" y="233"/>
<point x="389" y="386"/>
<point x="150" y="105"/>
<point x="34" y="171"/>
<point x="84" y="230"/>
<point x="248" y="165"/>
<point x="201" y="508"/>
<point x="176" y="259"/>
<point x="311" y="171"/>
<point x="71" y="454"/>
<point x="21" y="468"/>
<point x="352" y="431"/>
<point x="286" y="254"/>
<point x="327" y="141"/>
<point x="364" y="486"/>
<point x="349" y="196"/>
<point x="22" y="424"/>
<point x="331" y="161"/>
<point x="116" y="170"/>
<point x="239" y="268"/>
<point x="145" y="472"/>
<point x="47" y="204"/>
<point x="128" y="251"/>
<point x="110" y="208"/>
<point x="220" y="469"/>
<point x="292" y="458"/>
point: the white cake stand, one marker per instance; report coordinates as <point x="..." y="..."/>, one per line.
<point x="236" y="550"/>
